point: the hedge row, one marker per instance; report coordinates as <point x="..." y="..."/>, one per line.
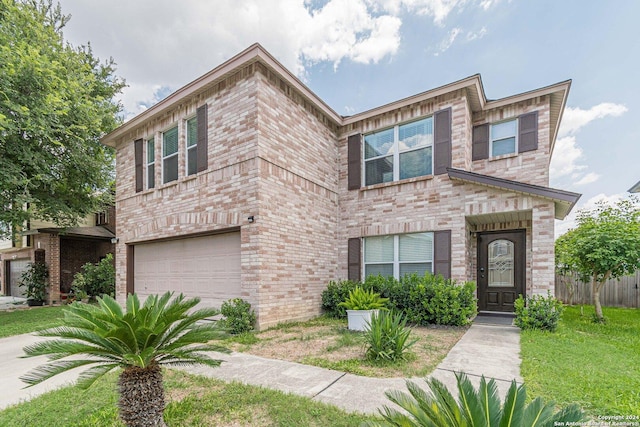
<point x="424" y="300"/>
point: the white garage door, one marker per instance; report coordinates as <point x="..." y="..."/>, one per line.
<point x="206" y="267"/>
<point x="16" y="267"/>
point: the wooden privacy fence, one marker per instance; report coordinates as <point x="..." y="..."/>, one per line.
<point x="621" y="292"/>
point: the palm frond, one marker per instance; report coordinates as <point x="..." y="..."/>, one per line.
<point x="44" y="372"/>
<point x="88" y="377"/>
<point x="444" y="406"/>
<point x="469" y="401"/>
<point x="110" y="306"/>
<point x="513" y="408"/>
<point x="133" y="304"/>
<point x="490" y="401"/>
<point x="537" y="413"/>
<point x="87" y="336"/>
<point x="569" y="414"/>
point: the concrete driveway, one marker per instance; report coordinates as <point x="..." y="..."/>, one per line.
<point x="12" y="367"/>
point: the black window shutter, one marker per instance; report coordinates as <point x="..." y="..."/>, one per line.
<point x="137" y="148"/>
<point x="354" y="153"/>
<point x="442" y="253"/>
<point x="353" y="259"/>
<point x="203" y="138"/>
<point x="480" y="149"/>
<point x="528" y="132"/>
<point x="442" y="141"/>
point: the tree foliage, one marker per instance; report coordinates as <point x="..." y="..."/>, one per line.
<point x="605" y="245"/>
<point x="56" y="101"/>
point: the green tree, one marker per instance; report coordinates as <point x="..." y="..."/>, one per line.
<point x="139" y="340"/>
<point x="605" y="245"/>
<point x="56" y="101"/>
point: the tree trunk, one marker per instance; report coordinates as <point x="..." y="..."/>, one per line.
<point x="595" y="289"/>
<point x="141" y="396"/>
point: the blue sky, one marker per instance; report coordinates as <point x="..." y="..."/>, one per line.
<point x="359" y="54"/>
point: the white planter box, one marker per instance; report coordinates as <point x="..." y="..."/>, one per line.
<point x="358" y="319"/>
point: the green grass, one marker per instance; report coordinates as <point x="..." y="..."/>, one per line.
<point x="594" y="365"/>
<point x="23" y="321"/>
<point x="192" y="401"/>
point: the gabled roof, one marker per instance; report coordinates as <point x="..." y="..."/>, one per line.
<point x="564" y="200"/>
<point x="256" y="53"/>
<point x="635" y="188"/>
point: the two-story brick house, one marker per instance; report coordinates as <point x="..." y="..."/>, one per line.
<point x="245" y="184"/>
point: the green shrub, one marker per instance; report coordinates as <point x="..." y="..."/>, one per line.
<point x="34" y="278"/>
<point x="538" y="312"/>
<point x="336" y="293"/>
<point x="387" y="336"/>
<point x="238" y="316"/>
<point x="97" y="279"/>
<point x="452" y="304"/>
<point x="361" y="299"/>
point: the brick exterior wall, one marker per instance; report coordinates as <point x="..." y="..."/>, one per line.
<point x="274" y="155"/>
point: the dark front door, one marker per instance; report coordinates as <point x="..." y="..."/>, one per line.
<point x="501" y="269"/>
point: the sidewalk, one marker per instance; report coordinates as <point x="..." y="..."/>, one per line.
<point x="487" y="350"/>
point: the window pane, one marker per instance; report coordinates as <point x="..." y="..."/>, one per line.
<point x="375" y="269"/>
<point x="170" y="169"/>
<point x="415" y="163"/>
<point x="501" y="272"/>
<point x="151" y="176"/>
<point x="503" y="130"/>
<point x="504" y="146"/>
<point x="150" y="151"/>
<point x="416" y="134"/>
<point x="379" y="170"/>
<point x="192" y="132"/>
<point x="378" y="144"/>
<point x="378" y="249"/>
<point x="192" y="160"/>
<point x="415" y="247"/>
<point x="417" y="267"/>
<point x="170" y="142"/>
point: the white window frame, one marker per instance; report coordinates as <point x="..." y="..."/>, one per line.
<point x="395" y="151"/>
<point x="175" y="126"/>
<point x="188" y="148"/>
<point x="396" y="254"/>
<point x="152" y="162"/>
<point x="491" y="138"/>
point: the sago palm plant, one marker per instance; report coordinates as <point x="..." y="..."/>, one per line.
<point x="139" y="340"/>
<point x="482" y="407"/>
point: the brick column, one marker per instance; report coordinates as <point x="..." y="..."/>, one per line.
<point x="53" y="261"/>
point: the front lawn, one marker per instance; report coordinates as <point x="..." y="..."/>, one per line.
<point x="594" y="365"/>
<point x="23" y="320"/>
<point x="191" y="401"/>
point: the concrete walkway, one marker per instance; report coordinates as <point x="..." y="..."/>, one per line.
<point x="492" y="351"/>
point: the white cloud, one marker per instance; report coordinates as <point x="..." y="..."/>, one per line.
<point x="436" y="9"/>
<point x="589" y="178"/>
<point x="568" y="158"/>
<point x="478" y="35"/>
<point x="448" y="41"/>
<point x="575" y="118"/>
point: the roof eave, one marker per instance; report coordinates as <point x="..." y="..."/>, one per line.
<point x="564" y="201"/>
<point x="635" y="188"/>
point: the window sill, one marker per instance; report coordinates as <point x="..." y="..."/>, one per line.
<point x="394" y="183"/>
<point x="503" y="156"/>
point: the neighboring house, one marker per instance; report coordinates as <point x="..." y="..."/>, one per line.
<point x="66" y="250"/>
<point x="635" y="188"/>
<point x="245" y="184"/>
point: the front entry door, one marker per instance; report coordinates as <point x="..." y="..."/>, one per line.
<point x="501" y="269"/>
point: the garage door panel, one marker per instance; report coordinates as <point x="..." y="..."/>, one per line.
<point x="207" y="267"/>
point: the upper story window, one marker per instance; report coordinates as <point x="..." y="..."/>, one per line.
<point x="170" y="155"/>
<point x="151" y="163"/>
<point x="397" y="255"/>
<point x="192" y="146"/>
<point x="503" y="138"/>
<point x="404" y="151"/>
